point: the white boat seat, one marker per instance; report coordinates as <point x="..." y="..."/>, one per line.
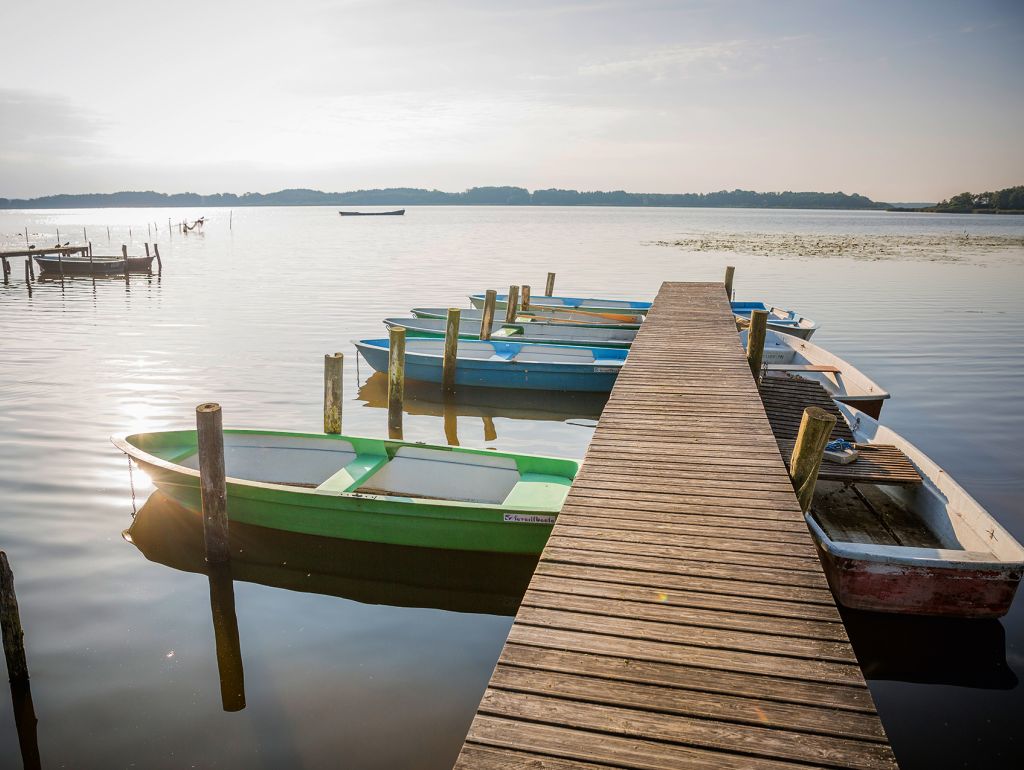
<point x="353" y="474"/>
<point x="803" y="368"/>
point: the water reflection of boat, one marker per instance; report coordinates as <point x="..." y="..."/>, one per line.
<point x="924" y="650"/>
<point x="425" y="398"/>
<point x="370" y="573"/>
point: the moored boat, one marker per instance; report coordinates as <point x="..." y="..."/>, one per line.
<point x="786" y="356"/>
<point x="927" y="548"/>
<point x="368" y="489"/>
<point x="500" y="364"/>
<point x="554" y="334"/>
<point x="396" y="213"/>
<point x="536" y="315"/>
<point x="785" y="321"/>
<point x="78" y="265"/>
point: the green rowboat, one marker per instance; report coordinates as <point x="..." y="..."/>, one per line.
<point x="367" y="489"/>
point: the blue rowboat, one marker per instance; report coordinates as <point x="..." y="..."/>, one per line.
<point x="552" y="334"/>
<point x="495" y="364"/>
<point x="785" y="321"/>
<point x="537" y="315"/>
<point x="629" y="311"/>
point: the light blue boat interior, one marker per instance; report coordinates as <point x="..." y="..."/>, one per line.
<point x="576" y="302"/>
<point x="512" y="352"/>
<point x="778" y="316"/>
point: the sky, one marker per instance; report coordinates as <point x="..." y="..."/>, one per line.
<point x="901" y="100"/>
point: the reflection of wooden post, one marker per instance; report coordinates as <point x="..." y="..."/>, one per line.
<point x="10" y="625"/>
<point x="25" y="723"/>
<point x="512" y="306"/>
<point x="451" y="349"/>
<point x="333" y="365"/>
<point x="525" y="296"/>
<point x="124" y="256"/>
<point x="487" y="317"/>
<point x="6" y="268"/>
<point x="755" y="341"/>
<point x="730" y="271"/>
<point x="815" y="428"/>
<point x="225" y="634"/>
<point x="159" y="264"/>
<point x="549" y="287"/>
<point x="396" y="378"/>
<point x="490" y="433"/>
<point x="451" y="422"/>
<point x="28" y="277"/>
<point x="212" y="482"/>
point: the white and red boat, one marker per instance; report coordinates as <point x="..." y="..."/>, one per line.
<point x="927" y="549"/>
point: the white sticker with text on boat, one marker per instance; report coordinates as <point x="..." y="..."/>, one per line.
<point x="529" y="518"/>
<point x="606" y="369"/>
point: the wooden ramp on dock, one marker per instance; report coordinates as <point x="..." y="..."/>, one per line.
<point x="679" y="617"/>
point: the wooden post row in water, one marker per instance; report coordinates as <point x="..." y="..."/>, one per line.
<point x="815" y="428"/>
<point x="396" y="377"/>
<point x="512" y="306"/>
<point x="549" y="287"/>
<point x="10" y="625"/>
<point x="212" y="482"/>
<point x="524" y="296"/>
<point x="333" y="365"/>
<point x="487" y="317"/>
<point x="755" y="341"/>
<point x="451" y="349"/>
<point x="730" y="273"/>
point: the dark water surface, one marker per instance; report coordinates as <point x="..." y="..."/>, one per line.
<point x="361" y="656"/>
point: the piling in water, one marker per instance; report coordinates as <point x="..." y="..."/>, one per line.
<point x="525" y="296"/>
<point x="487" y="317"/>
<point x="815" y="428"/>
<point x="124" y="256"/>
<point x="10" y="625"/>
<point x="6" y="270"/>
<point x="512" y="306"/>
<point x="28" y="275"/>
<point x="730" y="273"/>
<point x="451" y="349"/>
<point x="159" y="264"/>
<point x="333" y="367"/>
<point x="549" y="287"/>
<point x="755" y="341"/>
<point x="396" y="380"/>
<point x="212" y="482"/>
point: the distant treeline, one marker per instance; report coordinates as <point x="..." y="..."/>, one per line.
<point x="476" y="196"/>
<point x="1008" y="201"/>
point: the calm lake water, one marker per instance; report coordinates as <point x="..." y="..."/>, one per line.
<point x="369" y="657"/>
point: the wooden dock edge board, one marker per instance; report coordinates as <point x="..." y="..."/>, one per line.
<point x="655" y="632"/>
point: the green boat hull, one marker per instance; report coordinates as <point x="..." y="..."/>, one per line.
<point x="519" y="525"/>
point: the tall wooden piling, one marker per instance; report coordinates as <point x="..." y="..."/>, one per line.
<point x="28" y="275"/>
<point x="147" y="248"/>
<point x="10" y="625"/>
<point x="226" y="639"/>
<point x="6" y="270"/>
<point x="60" y="265"/>
<point x="85" y="236"/>
<point x="212" y="482"/>
<point x="124" y="255"/>
<point x="451" y="349"/>
<point x="512" y="306"/>
<point x="487" y="317"/>
<point x="27" y="244"/>
<point x="730" y="273"/>
<point x="815" y="428"/>
<point x="159" y="263"/>
<point x="549" y="287"/>
<point x="333" y="367"/>
<point x="108" y="233"/>
<point x="524" y="293"/>
<point x="755" y="341"/>
<point x="396" y="379"/>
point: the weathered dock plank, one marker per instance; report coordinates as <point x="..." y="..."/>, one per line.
<point x="679" y="616"/>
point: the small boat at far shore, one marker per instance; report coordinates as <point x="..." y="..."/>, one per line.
<point x="924" y="549"/>
<point x="396" y="213"/>
<point x="367" y="489"/>
<point x="789" y="356"/>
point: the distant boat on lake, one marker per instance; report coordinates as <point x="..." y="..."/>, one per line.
<point x="396" y="213"/>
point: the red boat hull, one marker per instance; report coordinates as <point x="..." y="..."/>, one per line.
<point x="882" y="587"/>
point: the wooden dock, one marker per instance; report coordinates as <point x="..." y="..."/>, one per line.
<point x="679" y="617"/>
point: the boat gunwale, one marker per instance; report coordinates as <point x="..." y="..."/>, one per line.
<point x="468" y="361"/>
<point x="120" y="441"/>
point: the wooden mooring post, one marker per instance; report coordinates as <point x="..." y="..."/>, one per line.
<point x="396" y="380"/>
<point x="524" y="295"/>
<point x="730" y="273"/>
<point x="7" y="270"/>
<point x="212" y="482"/>
<point x="10" y="625"/>
<point x="755" y="341"/>
<point x="226" y="639"/>
<point x="549" y="287"/>
<point x="487" y="317"/>
<point x="512" y="306"/>
<point x="159" y="262"/>
<point x="451" y="349"/>
<point x="28" y="275"/>
<point x="815" y="428"/>
<point x="124" y="256"/>
<point x="333" y="367"/>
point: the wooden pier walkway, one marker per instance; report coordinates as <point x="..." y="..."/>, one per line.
<point x="678" y="617"/>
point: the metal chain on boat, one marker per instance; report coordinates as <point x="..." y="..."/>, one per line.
<point x="131" y="483"/>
